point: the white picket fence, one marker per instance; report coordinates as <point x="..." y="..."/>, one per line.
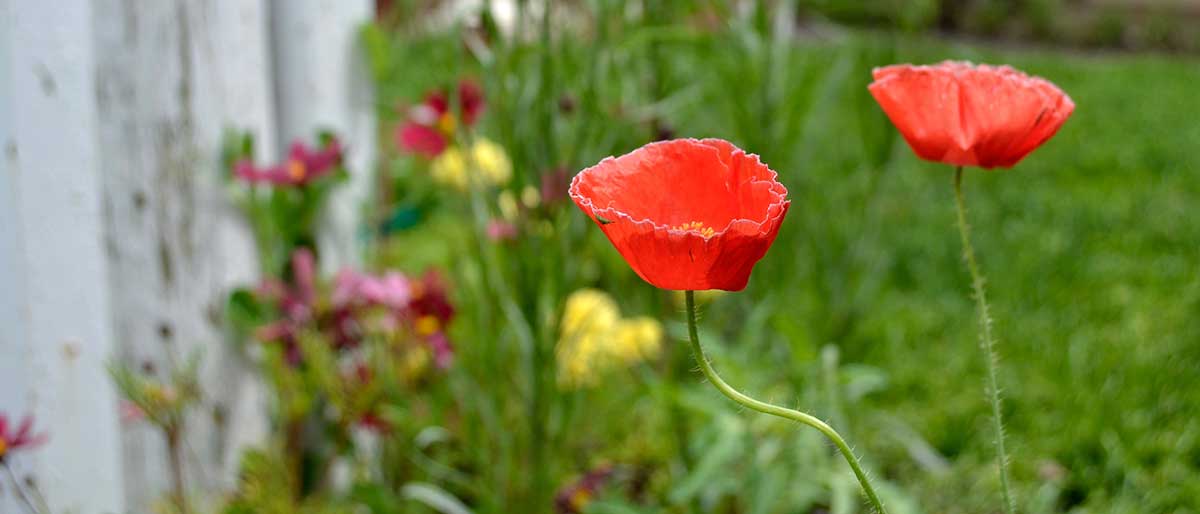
<point x="116" y="238"/>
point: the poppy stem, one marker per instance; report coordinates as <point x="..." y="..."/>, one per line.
<point x="986" y="340"/>
<point x="775" y="410"/>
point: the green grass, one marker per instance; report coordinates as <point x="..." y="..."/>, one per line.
<point x="1090" y="246"/>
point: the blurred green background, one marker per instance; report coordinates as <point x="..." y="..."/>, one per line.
<point x="861" y="312"/>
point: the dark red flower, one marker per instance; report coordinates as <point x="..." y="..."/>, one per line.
<point x="574" y="497"/>
<point x="304" y="164"/>
<point x="967" y="115"/>
<point x="429" y="125"/>
<point x="685" y="214"/>
<point x="19" y="437"/>
<point x="429" y="298"/>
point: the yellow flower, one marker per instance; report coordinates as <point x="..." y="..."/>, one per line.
<point x="491" y="161"/>
<point x="450" y="168"/>
<point x="589" y="310"/>
<point x="596" y="340"/>
<point x="637" y="339"/>
<point x="487" y="164"/>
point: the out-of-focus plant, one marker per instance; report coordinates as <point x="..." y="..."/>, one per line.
<point x="283" y="201"/>
<point x="595" y="339"/>
<point x="14" y="439"/>
<point x="341" y="356"/>
<point x="164" y="404"/>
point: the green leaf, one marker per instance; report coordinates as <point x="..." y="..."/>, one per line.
<point x="434" y="497"/>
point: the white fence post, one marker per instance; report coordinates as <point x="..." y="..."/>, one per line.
<point x="321" y="81"/>
<point x="54" y="287"/>
<point x="116" y="236"/>
<point x="172" y="76"/>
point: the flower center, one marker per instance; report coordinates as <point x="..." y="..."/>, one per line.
<point x="427" y="325"/>
<point x="296" y="169"/>
<point x="696" y="226"/>
<point x="447" y="124"/>
<point x="3" y="447"/>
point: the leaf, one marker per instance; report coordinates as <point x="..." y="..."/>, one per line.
<point x="434" y="497"/>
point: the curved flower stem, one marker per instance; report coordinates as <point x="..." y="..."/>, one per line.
<point x="985" y="338"/>
<point x="775" y="410"/>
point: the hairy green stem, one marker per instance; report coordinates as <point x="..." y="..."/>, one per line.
<point x="986" y="340"/>
<point x="775" y="410"/>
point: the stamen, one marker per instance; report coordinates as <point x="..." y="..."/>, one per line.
<point x="296" y="169"/>
<point x="696" y="226"/>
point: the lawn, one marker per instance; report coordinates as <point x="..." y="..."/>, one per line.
<point x="861" y="311"/>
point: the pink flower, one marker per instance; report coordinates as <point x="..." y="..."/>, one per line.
<point x="443" y="351"/>
<point x="430" y="125"/>
<point x="130" y="412"/>
<point x="297" y="303"/>
<point x="352" y="287"/>
<point x="20" y="439"/>
<point x="500" y="230"/>
<point x="303" y="165"/>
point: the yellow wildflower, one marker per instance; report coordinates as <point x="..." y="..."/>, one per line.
<point x="492" y="161"/>
<point x="637" y="339"/>
<point x="450" y="168"/>
<point x="595" y="339"/>
<point x="487" y="164"/>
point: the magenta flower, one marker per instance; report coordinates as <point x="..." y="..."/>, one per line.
<point x="430" y="125"/>
<point x="297" y="302"/>
<point x="303" y="165"/>
<point x="22" y="438"/>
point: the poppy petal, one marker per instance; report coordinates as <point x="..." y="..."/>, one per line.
<point x="963" y="114"/>
<point x="685" y="214"/>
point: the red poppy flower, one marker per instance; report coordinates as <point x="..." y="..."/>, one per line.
<point x="19" y="438"/>
<point x="967" y="115"/>
<point x="685" y="214"/>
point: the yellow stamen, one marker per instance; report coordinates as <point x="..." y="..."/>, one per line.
<point x="447" y="124"/>
<point x="3" y="447"/>
<point x="427" y="325"/>
<point x="696" y="226"/>
<point x="296" y="169"/>
<point x="580" y="498"/>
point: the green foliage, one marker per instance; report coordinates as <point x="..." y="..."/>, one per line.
<point x="1087" y="243"/>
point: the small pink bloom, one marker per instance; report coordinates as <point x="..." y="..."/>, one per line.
<point x="130" y="412"/>
<point x="500" y="230"/>
<point x="443" y="351"/>
<point x="303" y="165"/>
<point x="22" y="438"/>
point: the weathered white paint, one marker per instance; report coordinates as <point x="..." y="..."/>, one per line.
<point x="321" y="81"/>
<point x="116" y="236"/>
<point x="171" y="77"/>
<point x="54" y="304"/>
